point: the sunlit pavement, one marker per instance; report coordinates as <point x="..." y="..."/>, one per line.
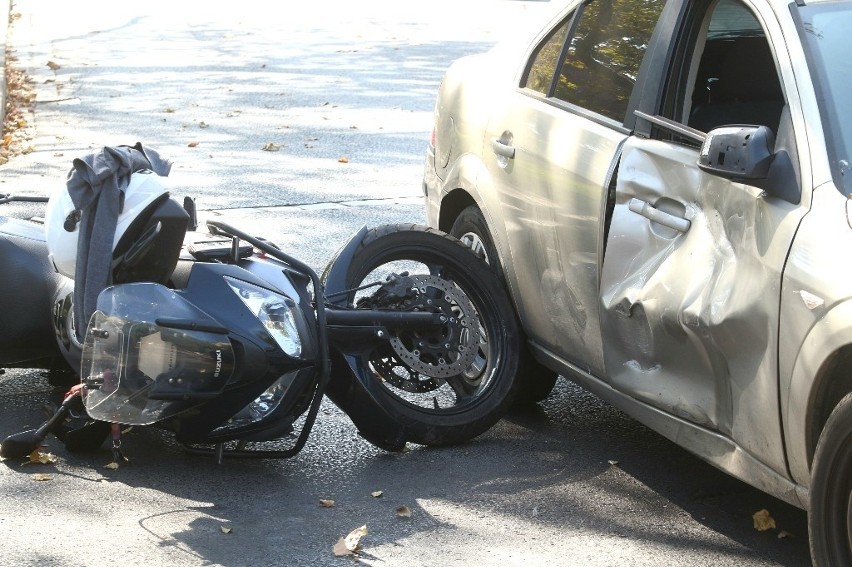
<point x="302" y="125"/>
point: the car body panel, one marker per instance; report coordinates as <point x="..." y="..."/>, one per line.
<point x="697" y="338"/>
<point x="717" y="336"/>
<point x="715" y="448"/>
<point x="816" y="312"/>
<point x="553" y="230"/>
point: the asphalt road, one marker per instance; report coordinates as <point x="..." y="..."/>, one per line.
<point x="569" y="482"/>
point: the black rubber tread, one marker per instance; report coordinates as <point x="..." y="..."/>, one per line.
<point x="424" y="425"/>
<point x="536" y="380"/>
<point x="831" y="491"/>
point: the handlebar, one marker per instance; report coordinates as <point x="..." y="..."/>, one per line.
<point x="21" y="199"/>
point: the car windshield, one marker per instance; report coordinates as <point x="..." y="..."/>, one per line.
<point x="825" y="29"/>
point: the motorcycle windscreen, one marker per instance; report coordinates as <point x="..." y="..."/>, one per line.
<point x="137" y="371"/>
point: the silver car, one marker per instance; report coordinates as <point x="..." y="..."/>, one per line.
<point x="664" y="185"/>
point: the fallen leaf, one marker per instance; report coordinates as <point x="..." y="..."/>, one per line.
<point x="343" y="159"/>
<point x="784" y="534"/>
<point x="339" y="548"/>
<point x="168" y="110"/>
<point x="39" y="458"/>
<point x="270" y="147"/>
<point x="192" y="145"/>
<point x="203" y="124"/>
<point x="45" y="458"/>
<point x="53" y="66"/>
<point x="613" y="463"/>
<point x="111" y="466"/>
<point x="326" y="503"/>
<point x="403" y="512"/>
<point x="42" y="477"/>
<point x="763" y="521"/>
<point x="225" y="529"/>
<point x="377" y="494"/>
<point x="350" y="544"/>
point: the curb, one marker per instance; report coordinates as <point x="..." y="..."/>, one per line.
<point x="6" y="7"/>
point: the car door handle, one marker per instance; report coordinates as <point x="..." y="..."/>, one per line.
<point x="502" y="149"/>
<point x="654" y="214"/>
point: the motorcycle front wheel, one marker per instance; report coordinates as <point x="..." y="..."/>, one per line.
<point x="442" y="386"/>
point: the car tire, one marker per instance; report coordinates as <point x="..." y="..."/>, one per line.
<point x="830" y="514"/>
<point x="536" y="380"/>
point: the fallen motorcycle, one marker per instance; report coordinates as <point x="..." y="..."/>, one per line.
<point x="231" y="344"/>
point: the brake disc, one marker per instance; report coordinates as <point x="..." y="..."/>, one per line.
<point x="444" y="351"/>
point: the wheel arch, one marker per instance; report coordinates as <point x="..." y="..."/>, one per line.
<point x="822" y="376"/>
<point x="452" y="205"/>
<point x="831" y="385"/>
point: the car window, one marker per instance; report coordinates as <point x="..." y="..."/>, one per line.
<point x="824" y="28"/>
<point x="545" y="58"/>
<point x="733" y="77"/>
<point x="598" y="69"/>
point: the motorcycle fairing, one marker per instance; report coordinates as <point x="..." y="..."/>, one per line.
<point x="28" y="287"/>
<point x="350" y="388"/>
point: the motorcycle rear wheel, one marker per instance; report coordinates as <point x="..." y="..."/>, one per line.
<point x="441" y="410"/>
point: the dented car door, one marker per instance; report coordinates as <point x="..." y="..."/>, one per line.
<point x="691" y="280"/>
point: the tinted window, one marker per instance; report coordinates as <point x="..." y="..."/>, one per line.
<point x="826" y="29"/>
<point x="600" y="67"/>
<point x="545" y="59"/>
<point x="736" y="81"/>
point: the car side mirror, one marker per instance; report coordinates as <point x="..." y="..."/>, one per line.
<point x="738" y="152"/>
<point x="747" y="153"/>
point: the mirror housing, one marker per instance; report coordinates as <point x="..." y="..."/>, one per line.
<point x="747" y="154"/>
<point x="738" y="152"/>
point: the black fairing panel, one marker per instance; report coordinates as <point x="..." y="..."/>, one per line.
<point x="350" y="385"/>
<point x="27" y="288"/>
<point x="371" y="419"/>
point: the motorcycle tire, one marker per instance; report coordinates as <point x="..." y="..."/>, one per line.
<point x="454" y="409"/>
<point x="536" y="380"/>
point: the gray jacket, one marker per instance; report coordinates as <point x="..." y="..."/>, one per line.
<point x="96" y="185"/>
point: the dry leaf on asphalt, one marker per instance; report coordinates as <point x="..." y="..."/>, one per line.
<point x="168" y="110"/>
<point x="377" y="494"/>
<point x="270" y="147"/>
<point x="784" y="534"/>
<point x="613" y="463"/>
<point x="111" y="466"/>
<point x="403" y="512"/>
<point x="203" y="124"/>
<point x="325" y="503"/>
<point x="343" y="159"/>
<point x="351" y="543"/>
<point x="42" y="477"/>
<point x="225" y="529"/>
<point x="37" y="457"/>
<point x="53" y="66"/>
<point x="763" y="521"/>
<point x="192" y="144"/>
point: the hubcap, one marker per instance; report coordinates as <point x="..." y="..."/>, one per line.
<point x="474" y="242"/>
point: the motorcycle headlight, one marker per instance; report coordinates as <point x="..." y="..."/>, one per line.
<point x="276" y="312"/>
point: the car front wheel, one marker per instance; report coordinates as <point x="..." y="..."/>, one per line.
<point x="830" y="514"/>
